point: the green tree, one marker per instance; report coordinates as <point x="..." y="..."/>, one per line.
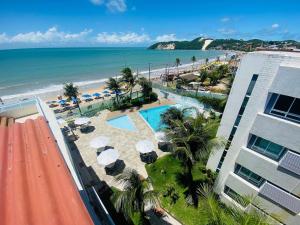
<point x="214" y="77"/>
<point x="216" y="213"/>
<point x="136" y="194"/>
<point x="114" y="85"/>
<point x="203" y="75"/>
<point x="170" y="115"/>
<point x="193" y="59"/>
<point x="146" y="87"/>
<point x="128" y="78"/>
<point x="177" y="63"/>
<point x="193" y="139"/>
<point x="223" y="70"/>
<point x="206" y="61"/>
<point x="71" y="91"/>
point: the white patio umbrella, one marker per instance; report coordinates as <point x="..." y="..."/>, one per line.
<point x="144" y="146"/>
<point x="61" y="121"/>
<point x="160" y="136"/>
<point x="99" y="142"/>
<point x="108" y="157"/>
<point x="81" y="121"/>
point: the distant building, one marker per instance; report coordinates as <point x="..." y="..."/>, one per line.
<point x="261" y="124"/>
<point x="39" y="183"/>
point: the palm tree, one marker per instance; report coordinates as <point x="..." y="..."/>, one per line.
<point x="193" y="59"/>
<point x="213" y="211"/>
<point x="206" y="61"/>
<point x="71" y="91"/>
<point x="146" y="86"/>
<point x="170" y="115"/>
<point x="128" y="78"/>
<point x="193" y="139"/>
<point x="177" y="63"/>
<point x="214" y="77"/>
<point x="203" y="75"/>
<point x="216" y="213"/>
<point x="137" y="194"/>
<point x="114" y="85"/>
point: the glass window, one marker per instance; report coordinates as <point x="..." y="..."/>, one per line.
<point x="245" y="172"/>
<point x="237" y="121"/>
<point x="295" y="109"/>
<point x="248" y="175"/>
<point x="283" y="103"/>
<point x="235" y="196"/>
<point x="251" y="85"/>
<point x="285" y="107"/>
<point x="274" y="148"/>
<point x="261" y="143"/>
<point x="265" y="147"/>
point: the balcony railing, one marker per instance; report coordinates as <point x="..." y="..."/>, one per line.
<point x="291" y="161"/>
<point x="281" y="197"/>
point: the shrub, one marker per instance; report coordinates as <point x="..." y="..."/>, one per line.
<point x="137" y="102"/>
<point x="153" y="96"/>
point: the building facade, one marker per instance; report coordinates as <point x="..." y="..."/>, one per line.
<point x="261" y="126"/>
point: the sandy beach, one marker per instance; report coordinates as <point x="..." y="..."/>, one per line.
<point x="93" y="86"/>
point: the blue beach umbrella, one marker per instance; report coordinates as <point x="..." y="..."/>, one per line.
<point x="62" y="102"/>
<point x="86" y="96"/>
<point x="96" y="94"/>
<point x="106" y="91"/>
<point x="74" y="100"/>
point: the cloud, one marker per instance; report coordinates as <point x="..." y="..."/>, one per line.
<point x="166" y="37"/>
<point x="225" y="19"/>
<point x="52" y="35"/>
<point x="121" y="38"/>
<point x="97" y="2"/>
<point x="3" y="38"/>
<point x="112" y="5"/>
<point x="275" y="26"/>
<point x="227" y="31"/>
<point x="116" y="5"/>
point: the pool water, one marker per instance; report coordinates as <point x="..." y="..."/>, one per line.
<point x="122" y="122"/>
<point x="152" y="116"/>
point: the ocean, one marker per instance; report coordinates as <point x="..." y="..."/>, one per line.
<point x="28" y="72"/>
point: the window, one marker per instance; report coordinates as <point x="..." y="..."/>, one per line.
<point x="267" y="148"/>
<point x="248" y="175"/>
<point x="285" y="107"/>
<point x="235" y="196"/>
<point x="251" y="85"/>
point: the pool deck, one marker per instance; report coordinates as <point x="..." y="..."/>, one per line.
<point x="160" y="102"/>
<point x="122" y="140"/>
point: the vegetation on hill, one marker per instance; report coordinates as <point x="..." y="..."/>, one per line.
<point x="194" y="44"/>
<point x="228" y="44"/>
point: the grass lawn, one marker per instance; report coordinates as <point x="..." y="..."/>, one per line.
<point x="163" y="173"/>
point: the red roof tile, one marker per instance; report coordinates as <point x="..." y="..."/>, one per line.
<point x="36" y="186"/>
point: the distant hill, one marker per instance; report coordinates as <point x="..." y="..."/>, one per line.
<point x="227" y="44"/>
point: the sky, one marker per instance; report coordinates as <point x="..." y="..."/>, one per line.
<point x="56" y="23"/>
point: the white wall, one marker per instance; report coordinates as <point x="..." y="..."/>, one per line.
<point x="271" y="76"/>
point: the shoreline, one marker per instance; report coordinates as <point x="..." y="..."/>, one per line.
<point x="92" y="86"/>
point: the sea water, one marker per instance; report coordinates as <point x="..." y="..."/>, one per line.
<point x="25" y="72"/>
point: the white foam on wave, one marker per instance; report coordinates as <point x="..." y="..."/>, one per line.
<point x="50" y="89"/>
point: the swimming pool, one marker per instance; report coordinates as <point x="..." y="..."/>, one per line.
<point x="122" y="122"/>
<point x="152" y="116"/>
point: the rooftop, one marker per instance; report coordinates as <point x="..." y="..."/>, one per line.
<point x="36" y="185"/>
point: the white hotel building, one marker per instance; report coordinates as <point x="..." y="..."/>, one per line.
<point x="261" y="124"/>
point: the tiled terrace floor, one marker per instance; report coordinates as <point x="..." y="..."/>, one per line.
<point x="122" y="140"/>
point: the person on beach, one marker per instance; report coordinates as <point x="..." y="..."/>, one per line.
<point x="1" y="101"/>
